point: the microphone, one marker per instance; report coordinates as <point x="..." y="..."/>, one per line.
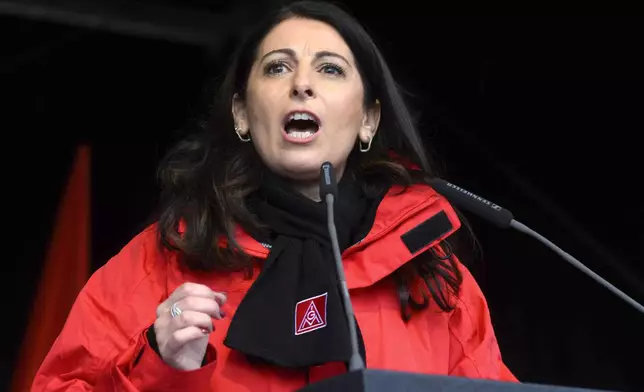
<point x="504" y="219"/>
<point x="473" y="203"/>
<point x="328" y="193"/>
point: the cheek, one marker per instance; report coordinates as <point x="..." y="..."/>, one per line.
<point x="346" y="101"/>
<point x="268" y="92"/>
<point x="261" y="112"/>
<point x="349" y="111"/>
<point x="260" y="107"/>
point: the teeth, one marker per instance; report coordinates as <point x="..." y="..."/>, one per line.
<point x="300" y="135"/>
<point x="301" y="116"/>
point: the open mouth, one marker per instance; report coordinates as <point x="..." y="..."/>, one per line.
<point x="301" y="125"/>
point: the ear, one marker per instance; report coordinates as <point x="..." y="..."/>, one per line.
<point x="370" y="123"/>
<point x="240" y="116"/>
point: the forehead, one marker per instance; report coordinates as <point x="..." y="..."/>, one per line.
<point x="305" y="37"/>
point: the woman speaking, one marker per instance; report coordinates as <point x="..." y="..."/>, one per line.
<point x="234" y="288"/>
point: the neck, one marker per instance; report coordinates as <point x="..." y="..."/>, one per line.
<point x="311" y="189"/>
<point x="308" y="189"/>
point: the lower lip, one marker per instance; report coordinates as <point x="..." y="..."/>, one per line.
<point x="300" y="140"/>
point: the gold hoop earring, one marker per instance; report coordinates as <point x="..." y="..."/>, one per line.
<point x="239" y="135"/>
<point x="365" y="149"/>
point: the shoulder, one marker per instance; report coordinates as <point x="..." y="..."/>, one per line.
<point x="411" y="191"/>
<point x="137" y="259"/>
<point x="408" y="222"/>
<point x="416" y="196"/>
<point x="416" y="212"/>
<point x="134" y="277"/>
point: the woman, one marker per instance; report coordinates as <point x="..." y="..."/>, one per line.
<point x="239" y="266"/>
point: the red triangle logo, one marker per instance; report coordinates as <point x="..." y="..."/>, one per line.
<point x="310" y="314"/>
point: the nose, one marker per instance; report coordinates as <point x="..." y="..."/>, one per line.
<point x="302" y="92"/>
<point x="302" y="88"/>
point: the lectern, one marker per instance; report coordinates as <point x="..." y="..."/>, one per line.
<point x="388" y="381"/>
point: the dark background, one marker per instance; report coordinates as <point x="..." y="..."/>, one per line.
<point x="542" y="115"/>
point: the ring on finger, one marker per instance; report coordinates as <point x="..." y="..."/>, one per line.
<point x="174" y="310"/>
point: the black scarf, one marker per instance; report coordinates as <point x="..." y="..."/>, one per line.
<point x="269" y="324"/>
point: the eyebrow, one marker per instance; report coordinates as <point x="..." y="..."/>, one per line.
<point x="318" y="55"/>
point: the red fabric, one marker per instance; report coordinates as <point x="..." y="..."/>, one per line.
<point x="65" y="272"/>
<point x="150" y="370"/>
<point x="319" y="373"/>
<point x="103" y="336"/>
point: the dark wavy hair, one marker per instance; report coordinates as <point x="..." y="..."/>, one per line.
<point x="206" y="178"/>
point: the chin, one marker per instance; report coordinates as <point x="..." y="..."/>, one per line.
<point x="304" y="167"/>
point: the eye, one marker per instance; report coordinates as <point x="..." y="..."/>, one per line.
<point x="332" y="69"/>
<point x="275" y="68"/>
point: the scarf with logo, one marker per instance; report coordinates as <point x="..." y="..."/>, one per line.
<point x="293" y="316"/>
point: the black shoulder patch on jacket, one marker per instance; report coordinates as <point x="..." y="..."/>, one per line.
<point x="427" y="232"/>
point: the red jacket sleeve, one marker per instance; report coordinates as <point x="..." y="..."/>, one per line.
<point x="103" y="345"/>
<point x="474" y="351"/>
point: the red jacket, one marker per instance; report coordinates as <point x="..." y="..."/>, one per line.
<point x="103" y="345"/>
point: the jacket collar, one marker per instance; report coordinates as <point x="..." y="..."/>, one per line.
<point x="383" y="250"/>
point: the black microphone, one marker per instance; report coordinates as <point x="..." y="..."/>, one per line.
<point x="328" y="193"/>
<point x="504" y="219"/>
<point x="328" y="185"/>
<point x="473" y="203"/>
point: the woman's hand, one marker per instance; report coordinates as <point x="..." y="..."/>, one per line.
<point x="183" y="324"/>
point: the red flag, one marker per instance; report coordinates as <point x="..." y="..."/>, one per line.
<point x="65" y="272"/>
